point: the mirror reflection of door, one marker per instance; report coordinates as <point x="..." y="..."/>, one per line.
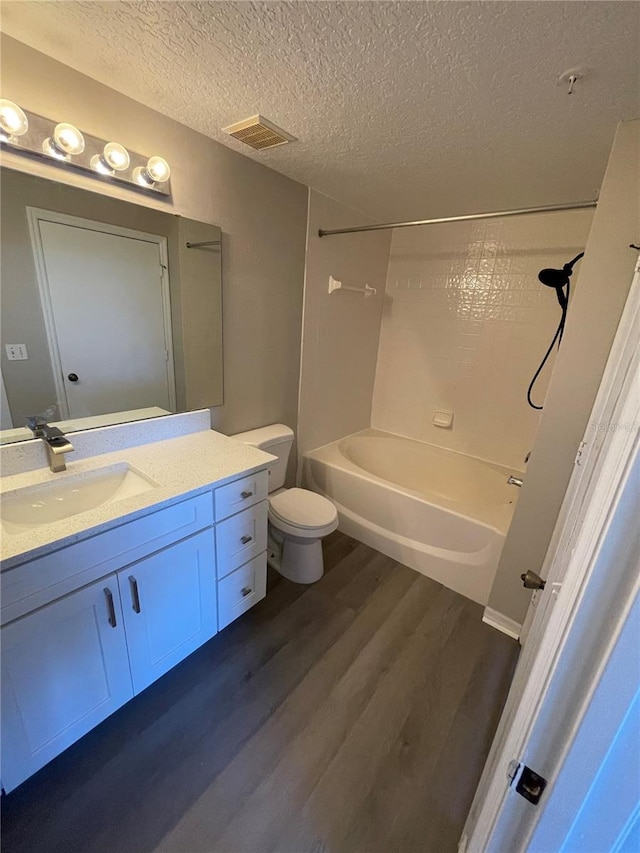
<point x="105" y="295"/>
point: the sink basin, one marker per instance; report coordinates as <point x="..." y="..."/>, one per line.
<point x="49" y="502"/>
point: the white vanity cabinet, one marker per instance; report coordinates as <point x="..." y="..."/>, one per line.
<point x="88" y="626"/>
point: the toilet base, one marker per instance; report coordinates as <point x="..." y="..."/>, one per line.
<point x="298" y="560"/>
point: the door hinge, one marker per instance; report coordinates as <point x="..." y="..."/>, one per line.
<point x="166" y="355"/>
<point x="581" y="446"/>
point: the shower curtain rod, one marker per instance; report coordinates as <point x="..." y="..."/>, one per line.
<point x="521" y="211"/>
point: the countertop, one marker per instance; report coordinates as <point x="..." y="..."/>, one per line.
<point x="182" y="467"/>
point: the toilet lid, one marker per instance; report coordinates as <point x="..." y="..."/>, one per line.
<point x="302" y="508"/>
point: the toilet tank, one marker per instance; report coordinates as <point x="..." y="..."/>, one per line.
<point x="277" y="440"/>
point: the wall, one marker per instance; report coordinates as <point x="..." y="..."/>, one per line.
<point x="465" y="325"/>
<point x="262" y="215"/>
<point x="605" y="278"/>
<point x="340" y="331"/>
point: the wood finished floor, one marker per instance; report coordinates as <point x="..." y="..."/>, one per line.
<point x="350" y="716"/>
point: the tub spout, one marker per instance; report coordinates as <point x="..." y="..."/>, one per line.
<point x="514" y="481"/>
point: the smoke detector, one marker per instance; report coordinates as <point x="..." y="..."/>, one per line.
<point x="259" y="133"/>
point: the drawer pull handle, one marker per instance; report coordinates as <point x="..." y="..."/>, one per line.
<point x="110" y="607"/>
<point x="135" y="595"/>
<point x="246" y="539"/>
<point x="246" y="495"/>
<point x="246" y="590"/>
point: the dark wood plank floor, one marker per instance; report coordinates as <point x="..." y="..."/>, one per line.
<point x="350" y="716"/>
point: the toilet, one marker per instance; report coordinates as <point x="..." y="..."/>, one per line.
<point x="298" y="518"/>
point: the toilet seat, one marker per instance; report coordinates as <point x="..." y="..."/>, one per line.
<point x="302" y="513"/>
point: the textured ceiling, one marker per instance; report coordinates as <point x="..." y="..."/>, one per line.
<point x="403" y="109"/>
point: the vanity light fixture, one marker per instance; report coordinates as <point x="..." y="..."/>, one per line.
<point x="156" y="171"/>
<point x="13" y="121"/>
<point x="63" y="144"/>
<point x="114" y="158"/>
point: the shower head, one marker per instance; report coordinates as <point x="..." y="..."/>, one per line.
<point x="553" y="278"/>
<point x="560" y="281"/>
<point x="558" y="278"/>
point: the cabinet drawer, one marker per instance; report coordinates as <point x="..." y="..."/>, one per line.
<point x="236" y="496"/>
<point x="40" y="581"/>
<point x="240" y="538"/>
<point x="241" y="590"/>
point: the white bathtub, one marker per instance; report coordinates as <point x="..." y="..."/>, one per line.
<point x="440" y="512"/>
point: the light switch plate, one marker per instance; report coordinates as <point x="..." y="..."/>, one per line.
<point x="16" y="352"/>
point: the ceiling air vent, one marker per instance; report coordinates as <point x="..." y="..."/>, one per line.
<point x="258" y="133"/>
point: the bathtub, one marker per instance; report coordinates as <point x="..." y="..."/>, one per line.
<point x="442" y="513"/>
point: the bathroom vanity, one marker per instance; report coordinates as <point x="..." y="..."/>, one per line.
<point x="98" y="604"/>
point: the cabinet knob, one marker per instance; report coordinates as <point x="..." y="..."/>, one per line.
<point x="246" y="590"/>
<point x="246" y="539"/>
<point x="246" y="495"/>
<point x="72" y="377"/>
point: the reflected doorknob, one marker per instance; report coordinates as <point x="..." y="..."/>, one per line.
<point x="72" y="377"/>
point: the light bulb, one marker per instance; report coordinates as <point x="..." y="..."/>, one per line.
<point x="51" y="150"/>
<point x="13" y="121"/>
<point x="98" y="164"/>
<point x="68" y="139"/>
<point x="114" y="158"/>
<point x="156" y="171"/>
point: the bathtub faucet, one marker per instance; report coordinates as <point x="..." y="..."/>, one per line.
<point x="514" y="481"/>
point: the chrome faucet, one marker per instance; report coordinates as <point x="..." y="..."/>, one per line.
<point x="515" y="481"/>
<point x="55" y="441"/>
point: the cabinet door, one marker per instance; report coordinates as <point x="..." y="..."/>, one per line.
<point x="169" y="605"/>
<point x="64" y="670"/>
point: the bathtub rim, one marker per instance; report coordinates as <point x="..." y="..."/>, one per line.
<point x="382" y="433"/>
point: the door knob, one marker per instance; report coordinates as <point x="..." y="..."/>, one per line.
<point x="72" y="377"/>
<point x="530" y="580"/>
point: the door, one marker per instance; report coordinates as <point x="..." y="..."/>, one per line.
<point x="106" y="305"/>
<point x="169" y="604"/>
<point x="64" y="670"/>
<point x="591" y="570"/>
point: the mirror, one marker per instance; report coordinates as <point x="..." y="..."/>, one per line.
<point x="107" y="315"/>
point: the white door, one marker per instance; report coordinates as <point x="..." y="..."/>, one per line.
<point x="64" y="670"/>
<point x="169" y="605"/>
<point x="592" y="569"/>
<point x="108" y="308"/>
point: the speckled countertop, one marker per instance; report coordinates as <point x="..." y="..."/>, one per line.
<point x="182" y="467"/>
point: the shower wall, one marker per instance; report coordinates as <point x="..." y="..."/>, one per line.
<point x="465" y="324"/>
<point x="339" y="331"/>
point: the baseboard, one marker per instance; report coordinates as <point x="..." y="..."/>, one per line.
<point x="502" y="623"/>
